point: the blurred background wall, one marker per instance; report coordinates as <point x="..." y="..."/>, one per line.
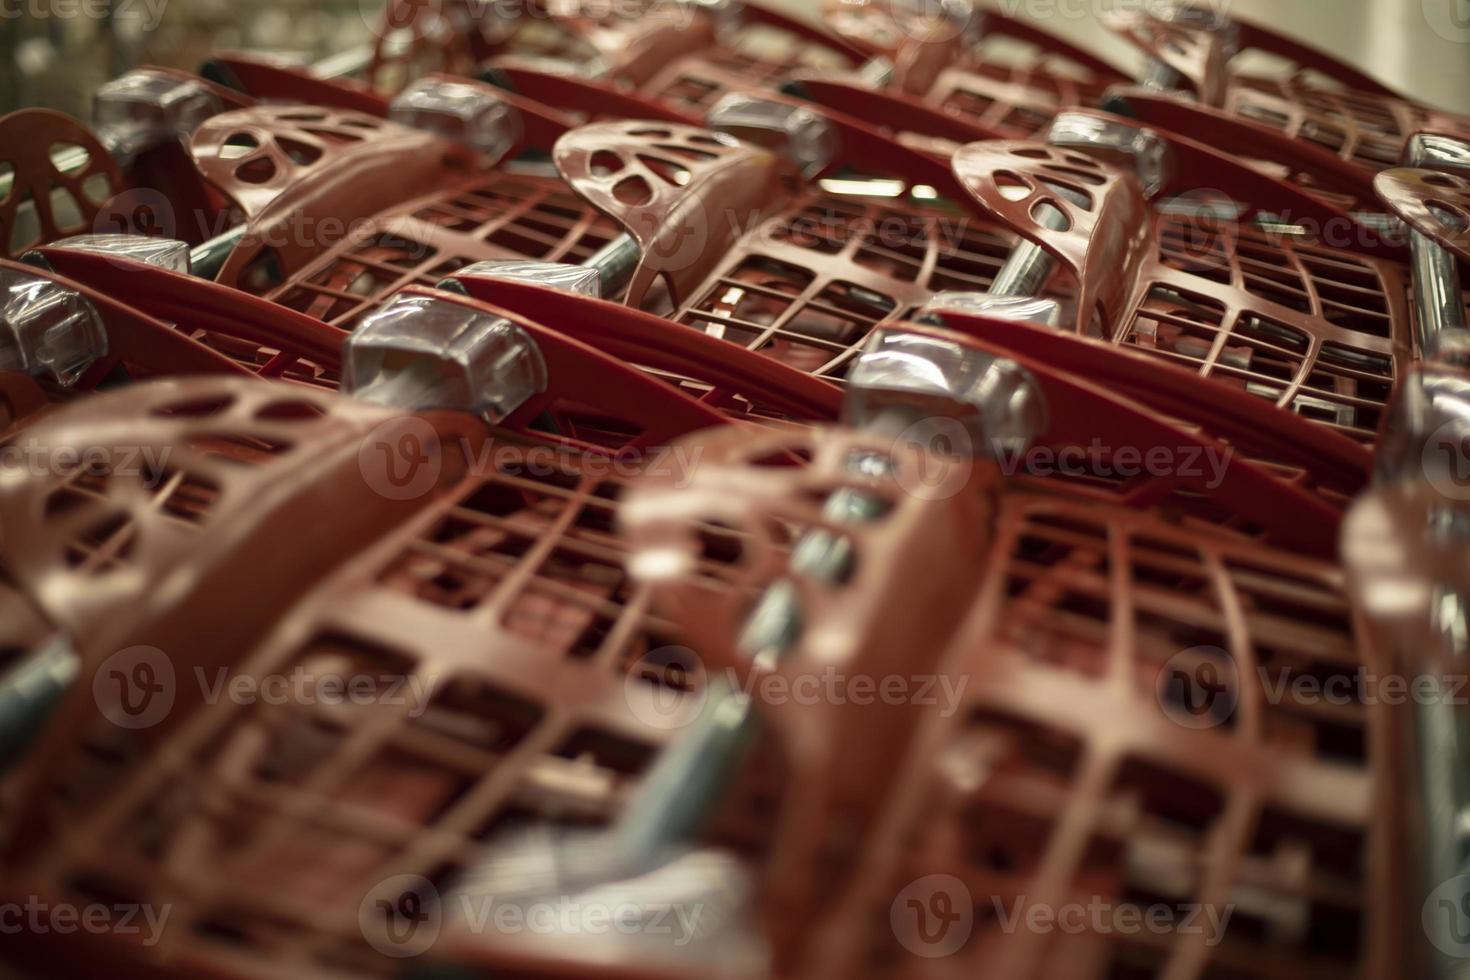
<point x="54" y="52"/>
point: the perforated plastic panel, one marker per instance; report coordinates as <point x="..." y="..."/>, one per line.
<point x="1433" y="203"/>
<point x="499" y="216"/>
<point x="254" y="154"/>
<point x="289" y="423"/>
<point x="1012" y="105"/>
<point x="685" y="56"/>
<point x="807" y="286"/>
<point x="852" y="260"/>
<point x="175" y="455"/>
<point x="1366" y="129"/>
<point x="1308" y="95"/>
<point x="762" y="58"/>
<point x="1001" y="73"/>
<point x="1333" y="357"/>
<point x="1064" y="775"/>
<point x="61" y="202"/>
<point x="762" y="53"/>
<point x="1078" y="766"/>
<point x="498" y="603"/>
<point x="1319" y="330"/>
<point x="1278" y="810"/>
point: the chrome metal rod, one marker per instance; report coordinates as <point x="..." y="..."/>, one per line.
<point x="1159" y="77"/>
<point x="775" y="622"/>
<point x="690" y="775"/>
<point x="675" y="799"/>
<point x="1437" y="152"/>
<point x="1026" y="269"/>
<point x="1441" y="728"/>
<point x="615" y="263"/>
<point x="207" y="258"/>
<point x="30" y="691"/>
<point x="1442" y="731"/>
<point x="354" y="61"/>
<point x="876" y="72"/>
<point x="1438" y="301"/>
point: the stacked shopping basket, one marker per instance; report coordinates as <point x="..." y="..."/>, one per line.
<point x="680" y="491"/>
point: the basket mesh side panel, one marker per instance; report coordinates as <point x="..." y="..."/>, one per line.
<point x="494" y="633"/>
<point x="501" y="217"/>
<point x="1321" y="331"/>
<point x="1015" y="102"/>
<point x="193" y="440"/>
<point x="759" y="57"/>
<point x="1360" y="127"/>
<point x="808" y="285"/>
<point x="1188" y="652"/>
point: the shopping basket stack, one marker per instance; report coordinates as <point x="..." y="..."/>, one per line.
<point x="683" y="491"/>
